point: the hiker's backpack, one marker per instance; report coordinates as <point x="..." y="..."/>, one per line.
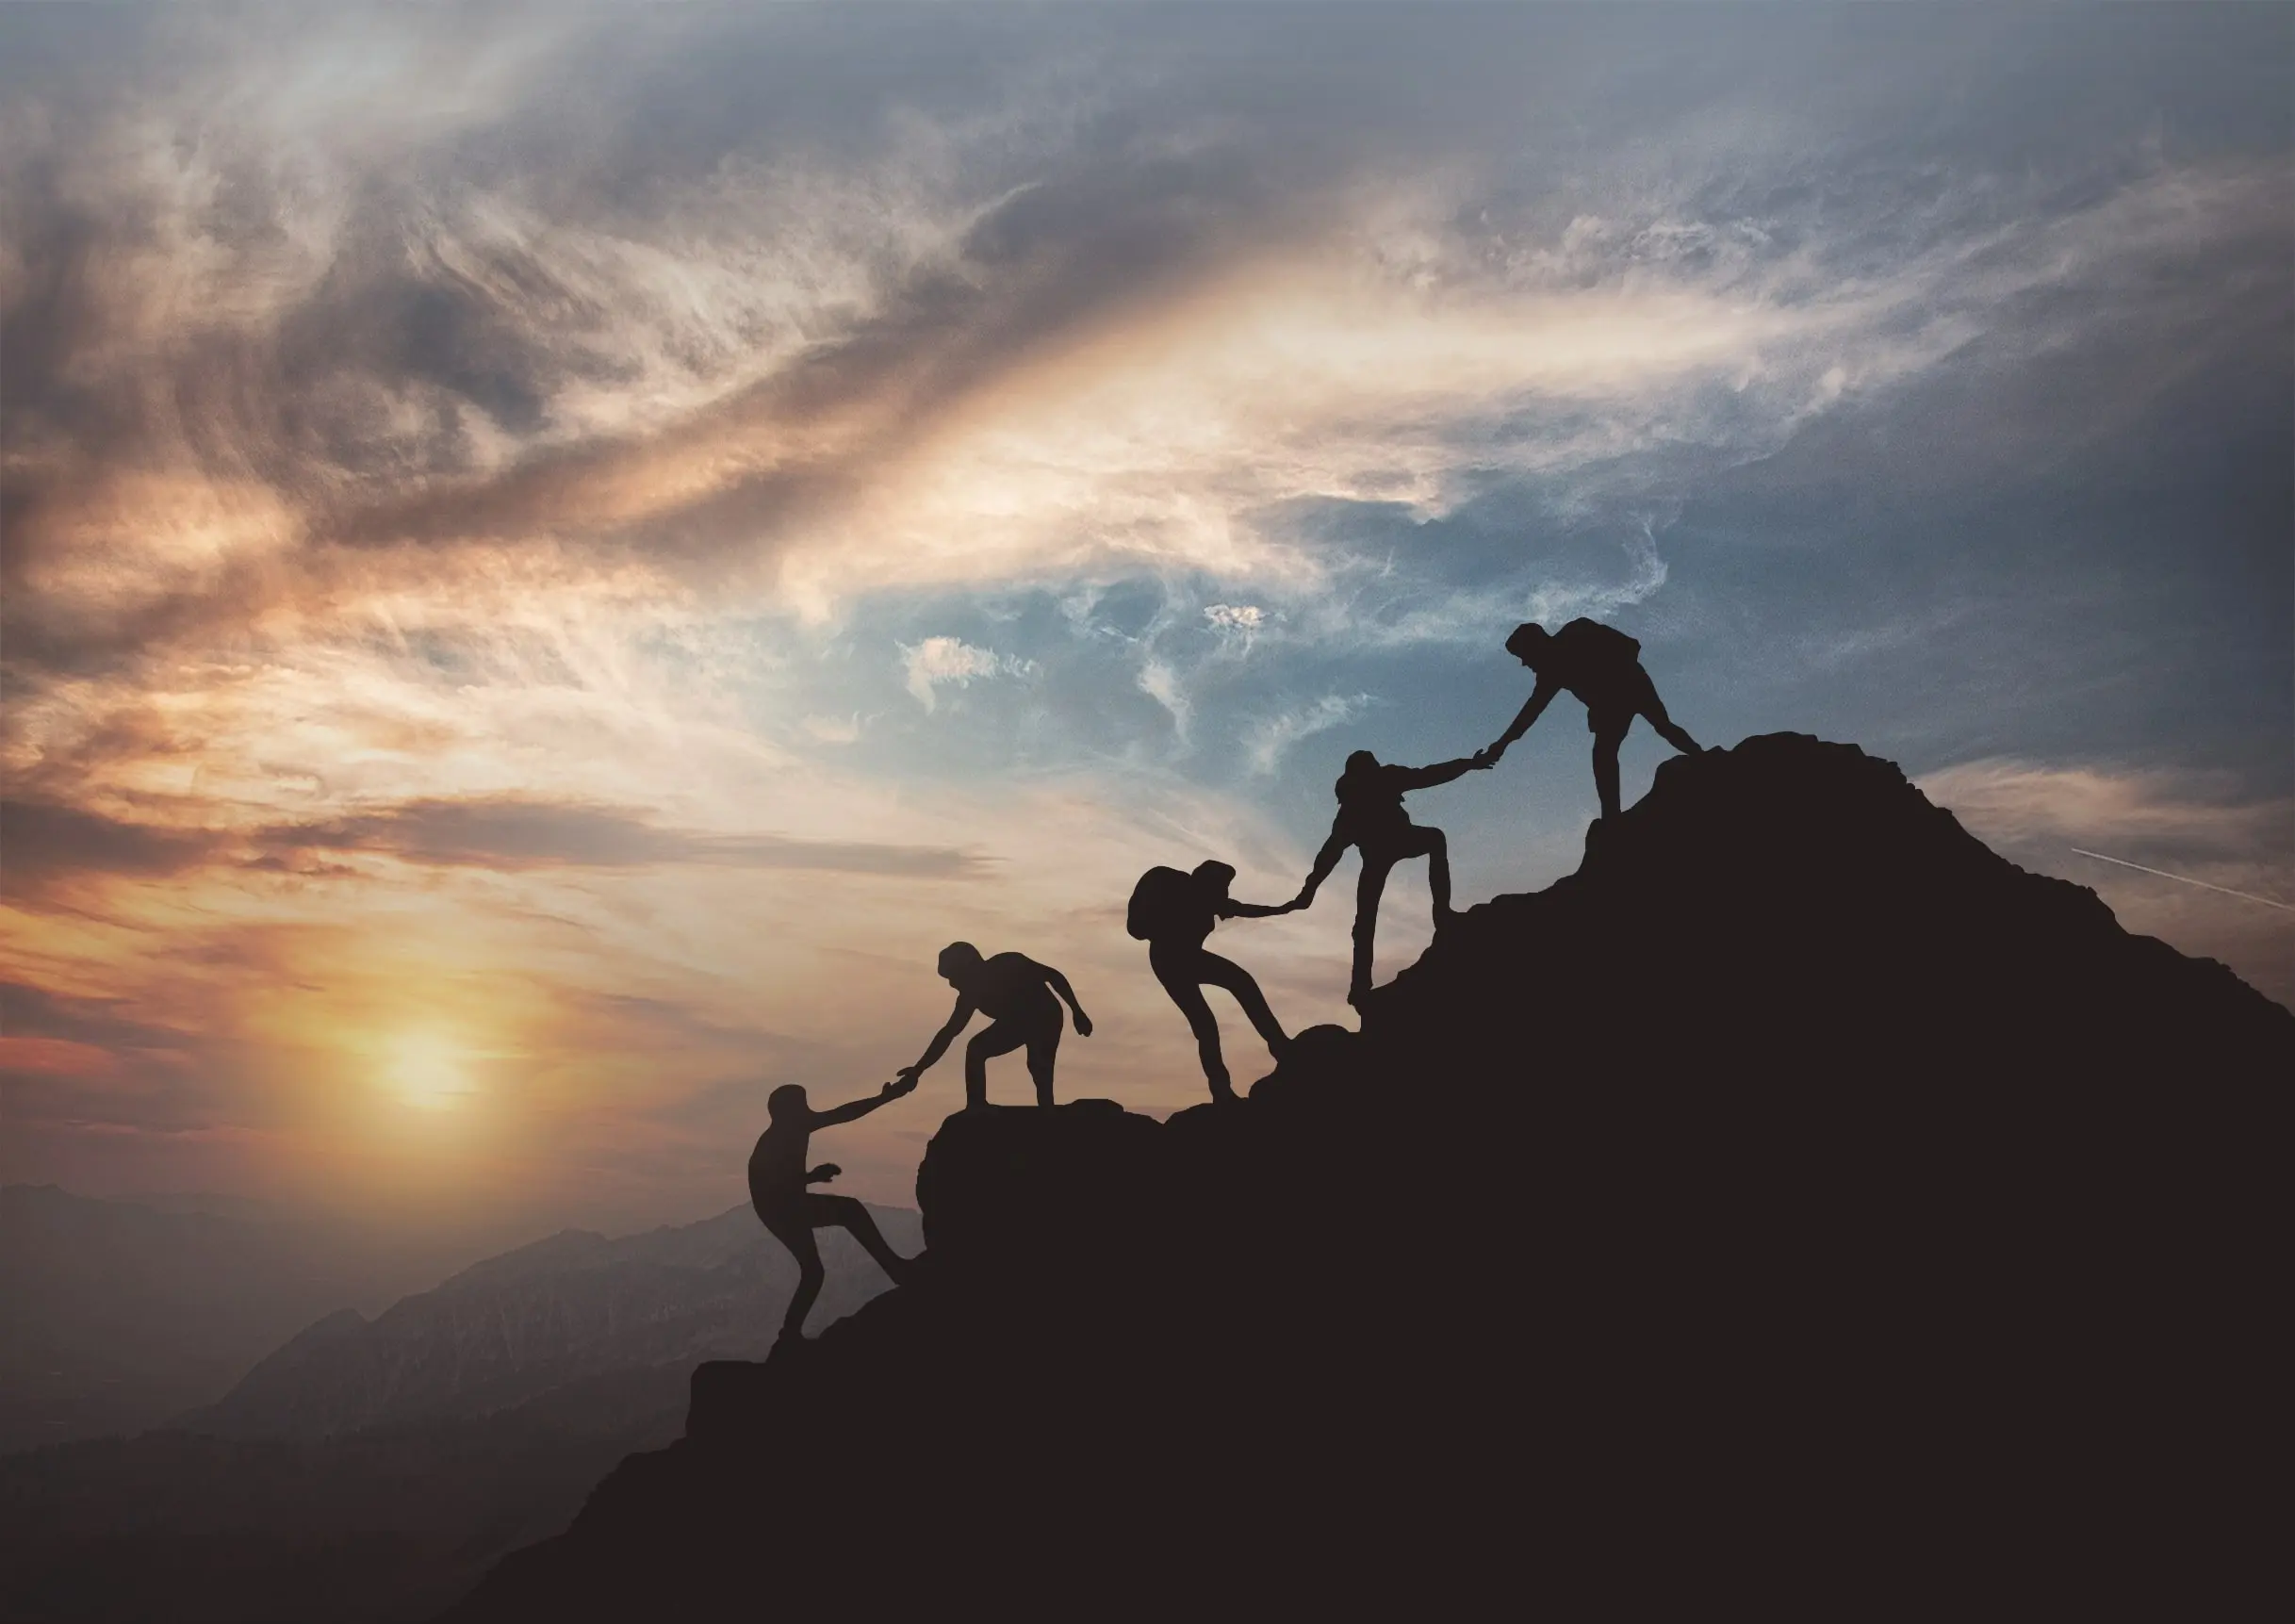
<point x="1162" y="904"/>
<point x="1594" y="643"/>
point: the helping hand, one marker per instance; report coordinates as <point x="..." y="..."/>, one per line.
<point x="823" y="1173"/>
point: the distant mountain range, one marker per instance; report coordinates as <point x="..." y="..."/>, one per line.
<point x="371" y="1469"/>
<point x="569" y="1309"/>
<point x="116" y="1316"/>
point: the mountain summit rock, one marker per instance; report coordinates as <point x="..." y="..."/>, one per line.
<point x="1798" y="1203"/>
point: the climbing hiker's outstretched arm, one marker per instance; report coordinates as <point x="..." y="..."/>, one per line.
<point x="942" y="1039"/>
<point x="1441" y="771"/>
<point x="867" y="1102"/>
<point x="1232" y="910"/>
<point x="1058" y="983"/>
<point x="1325" y="860"/>
<point x="1540" y="696"/>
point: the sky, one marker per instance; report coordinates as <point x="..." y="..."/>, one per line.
<point x="554" y="557"/>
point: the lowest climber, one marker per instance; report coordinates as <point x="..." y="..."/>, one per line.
<point x="1370" y="816"/>
<point x="1017" y="995"/>
<point x="1603" y="668"/>
<point x="1173" y="912"/>
<point x="778" y="1180"/>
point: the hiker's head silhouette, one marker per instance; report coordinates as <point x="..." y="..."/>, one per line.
<point x="1216" y="876"/>
<point x="786" y="1101"/>
<point x="1527" y="643"/>
<point x="1360" y="765"/>
<point x="958" y="959"/>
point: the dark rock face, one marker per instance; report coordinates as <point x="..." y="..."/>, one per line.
<point x="1811" y="1206"/>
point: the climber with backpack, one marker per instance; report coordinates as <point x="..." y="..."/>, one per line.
<point x="1173" y="912"/>
<point x="1603" y="668"/>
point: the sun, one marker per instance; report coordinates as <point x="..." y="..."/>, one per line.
<point x="428" y="1069"/>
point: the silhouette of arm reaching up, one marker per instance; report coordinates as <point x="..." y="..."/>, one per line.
<point x="940" y="1040"/>
<point x="1441" y="771"/>
<point x="1325" y="860"/>
<point x="1540" y="696"/>
<point x="853" y="1108"/>
<point x="1058" y="983"/>
<point x="1233" y="909"/>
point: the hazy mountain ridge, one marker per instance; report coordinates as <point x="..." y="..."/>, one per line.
<point x="1829" y="1207"/>
<point x="371" y="1469"/>
<point x="563" y="1310"/>
<point x="117" y="1314"/>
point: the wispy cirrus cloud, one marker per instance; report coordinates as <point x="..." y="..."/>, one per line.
<point x="2013" y="800"/>
<point x="953" y="369"/>
<point x="1267" y="738"/>
<point x="939" y="662"/>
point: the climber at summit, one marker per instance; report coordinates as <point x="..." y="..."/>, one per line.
<point x="1016" y="993"/>
<point x="778" y="1181"/>
<point x="1370" y="816"/>
<point x="1173" y="912"/>
<point x="1602" y="666"/>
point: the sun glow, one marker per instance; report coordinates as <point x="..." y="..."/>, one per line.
<point x="428" y="1069"/>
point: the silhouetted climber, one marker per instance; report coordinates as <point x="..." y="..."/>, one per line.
<point x="1016" y="991"/>
<point x="1603" y="668"/>
<point x="1370" y="817"/>
<point x="1172" y="912"/>
<point x="778" y="1180"/>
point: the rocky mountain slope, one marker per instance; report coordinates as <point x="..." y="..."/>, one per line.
<point x="1816" y="1210"/>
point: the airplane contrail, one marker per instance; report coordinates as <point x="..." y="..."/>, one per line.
<point x="2247" y="896"/>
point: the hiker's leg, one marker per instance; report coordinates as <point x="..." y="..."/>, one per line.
<point x="797" y="1236"/>
<point x="1226" y="973"/>
<point x="1653" y="709"/>
<point x="1182" y="981"/>
<point x="998" y="1038"/>
<point x="845" y="1213"/>
<point x="1043" y="1049"/>
<point x="1438" y="871"/>
<point x="1368" y="890"/>
<point x="1607" y="737"/>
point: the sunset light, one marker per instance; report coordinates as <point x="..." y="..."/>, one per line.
<point x="428" y="1069"/>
